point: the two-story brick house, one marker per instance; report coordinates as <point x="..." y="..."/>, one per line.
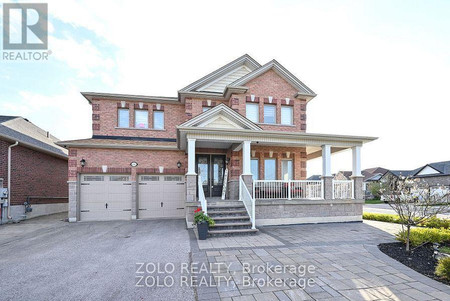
<point x="241" y="128"/>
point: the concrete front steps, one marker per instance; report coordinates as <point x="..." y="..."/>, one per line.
<point x="230" y="217"/>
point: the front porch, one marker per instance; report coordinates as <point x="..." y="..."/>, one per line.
<point x="266" y="170"/>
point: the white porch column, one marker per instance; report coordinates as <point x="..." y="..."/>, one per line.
<point x="356" y="158"/>
<point x="246" y="157"/>
<point x="326" y="160"/>
<point x="191" y="157"/>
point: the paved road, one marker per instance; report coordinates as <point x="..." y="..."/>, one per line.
<point x="48" y="259"/>
<point x="385" y="208"/>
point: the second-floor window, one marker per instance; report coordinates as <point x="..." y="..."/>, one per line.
<point x="204" y="109"/>
<point x="252" y="112"/>
<point x="270" y="114"/>
<point x="141" y="119"/>
<point x="158" y="120"/>
<point x="286" y="115"/>
<point x="123" y="118"/>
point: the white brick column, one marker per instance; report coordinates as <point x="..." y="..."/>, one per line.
<point x="191" y="157"/>
<point x="246" y="158"/>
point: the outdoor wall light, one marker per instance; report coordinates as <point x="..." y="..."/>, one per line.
<point x="227" y="160"/>
<point x="82" y="162"/>
<point x="179" y="164"/>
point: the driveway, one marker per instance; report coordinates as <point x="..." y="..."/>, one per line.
<point x="342" y="262"/>
<point x="385" y="208"/>
<point x="48" y="259"/>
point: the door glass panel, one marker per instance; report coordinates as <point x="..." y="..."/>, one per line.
<point x="255" y="169"/>
<point x="218" y="168"/>
<point x="286" y="169"/>
<point x="203" y="169"/>
<point x="270" y="169"/>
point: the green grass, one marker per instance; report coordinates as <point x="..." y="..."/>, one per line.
<point x="374" y="202"/>
<point x="445" y="250"/>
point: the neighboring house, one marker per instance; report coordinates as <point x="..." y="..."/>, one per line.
<point x="38" y="169"/>
<point x="435" y="174"/>
<point x="156" y="157"/>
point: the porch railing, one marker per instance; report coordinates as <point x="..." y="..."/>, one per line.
<point x="290" y="189"/>
<point x="249" y="201"/>
<point x="343" y="189"/>
<point x="201" y="195"/>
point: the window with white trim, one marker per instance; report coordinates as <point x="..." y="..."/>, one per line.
<point x="252" y="111"/>
<point x="287" y="115"/>
<point x="204" y="109"/>
<point x="287" y="171"/>
<point x="123" y="118"/>
<point x="158" y="120"/>
<point x="141" y="119"/>
<point x="254" y="167"/>
<point x="270" y="114"/>
<point x="270" y="169"/>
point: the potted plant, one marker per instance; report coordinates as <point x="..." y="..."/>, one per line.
<point x="203" y="222"/>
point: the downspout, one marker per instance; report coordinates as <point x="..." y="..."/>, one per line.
<point x="9" y="177"/>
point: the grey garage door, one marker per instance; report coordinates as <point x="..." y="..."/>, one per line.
<point x="105" y="197"/>
<point x="161" y="196"/>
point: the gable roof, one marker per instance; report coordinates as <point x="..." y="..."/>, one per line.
<point x="16" y="128"/>
<point x="227" y="114"/>
<point x="232" y="77"/>
<point x="443" y="168"/>
<point x="303" y="90"/>
<point x="244" y="60"/>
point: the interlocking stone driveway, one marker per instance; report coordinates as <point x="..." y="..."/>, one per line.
<point x="347" y="265"/>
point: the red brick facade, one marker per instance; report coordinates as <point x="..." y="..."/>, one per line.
<point x="105" y="123"/>
<point x="34" y="174"/>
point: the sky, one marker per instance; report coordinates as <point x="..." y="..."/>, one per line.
<point x="380" y="68"/>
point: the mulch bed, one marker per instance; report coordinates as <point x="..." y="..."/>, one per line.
<point x="420" y="259"/>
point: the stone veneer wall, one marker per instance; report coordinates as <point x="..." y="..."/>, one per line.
<point x="284" y="212"/>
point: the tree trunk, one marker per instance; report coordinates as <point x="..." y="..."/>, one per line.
<point x="408" y="228"/>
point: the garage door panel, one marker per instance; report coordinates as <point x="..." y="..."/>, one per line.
<point x="161" y="196"/>
<point x="99" y="190"/>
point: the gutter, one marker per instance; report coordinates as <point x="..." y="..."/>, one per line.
<point x="9" y="177"/>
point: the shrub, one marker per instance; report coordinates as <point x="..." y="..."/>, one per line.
<point x="443" y="268"/>
<point x="432" y="222"/>
<point x="382" y="217"/>
<point x="420" y="236"/>
<point x="435" y="222"/>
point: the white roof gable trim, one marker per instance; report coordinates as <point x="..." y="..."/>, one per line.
<point x="283" y="72"/>
<point x="427" y="170"/>
<point x="223" y="117"/>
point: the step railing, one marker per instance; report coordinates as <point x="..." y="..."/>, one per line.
<point x="343" y="189"/>
<point x="288" y="189"/>
<point x="201" y="195"/>
<point x="249" y="201"/>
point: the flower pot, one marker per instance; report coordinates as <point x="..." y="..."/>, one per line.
<point x="202" y="228"/>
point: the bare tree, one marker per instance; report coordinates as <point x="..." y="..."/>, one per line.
<point x="414" y="201"/>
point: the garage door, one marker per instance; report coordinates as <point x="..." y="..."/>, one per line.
<point x="105" y="197"/>
<point x="161" y="196"/>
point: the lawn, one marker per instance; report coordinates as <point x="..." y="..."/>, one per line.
<point x="374" y="202"/>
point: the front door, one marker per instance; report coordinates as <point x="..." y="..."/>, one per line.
<point x="211" y="170"/>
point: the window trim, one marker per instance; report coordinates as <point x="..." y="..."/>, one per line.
<point x="118" y="118"/>
<point x="292" y="115"/>
<point x="282" y="173"/>
<point x="275" y="113"/>
<point x="257" y="112"/>
<point x="257" y="168"/>
<point x="163" y="120"/>
<point x="275" y="160"/>
<point x="135" y="114"/>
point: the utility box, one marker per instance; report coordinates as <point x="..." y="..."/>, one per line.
<point x="3" y="193"/>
